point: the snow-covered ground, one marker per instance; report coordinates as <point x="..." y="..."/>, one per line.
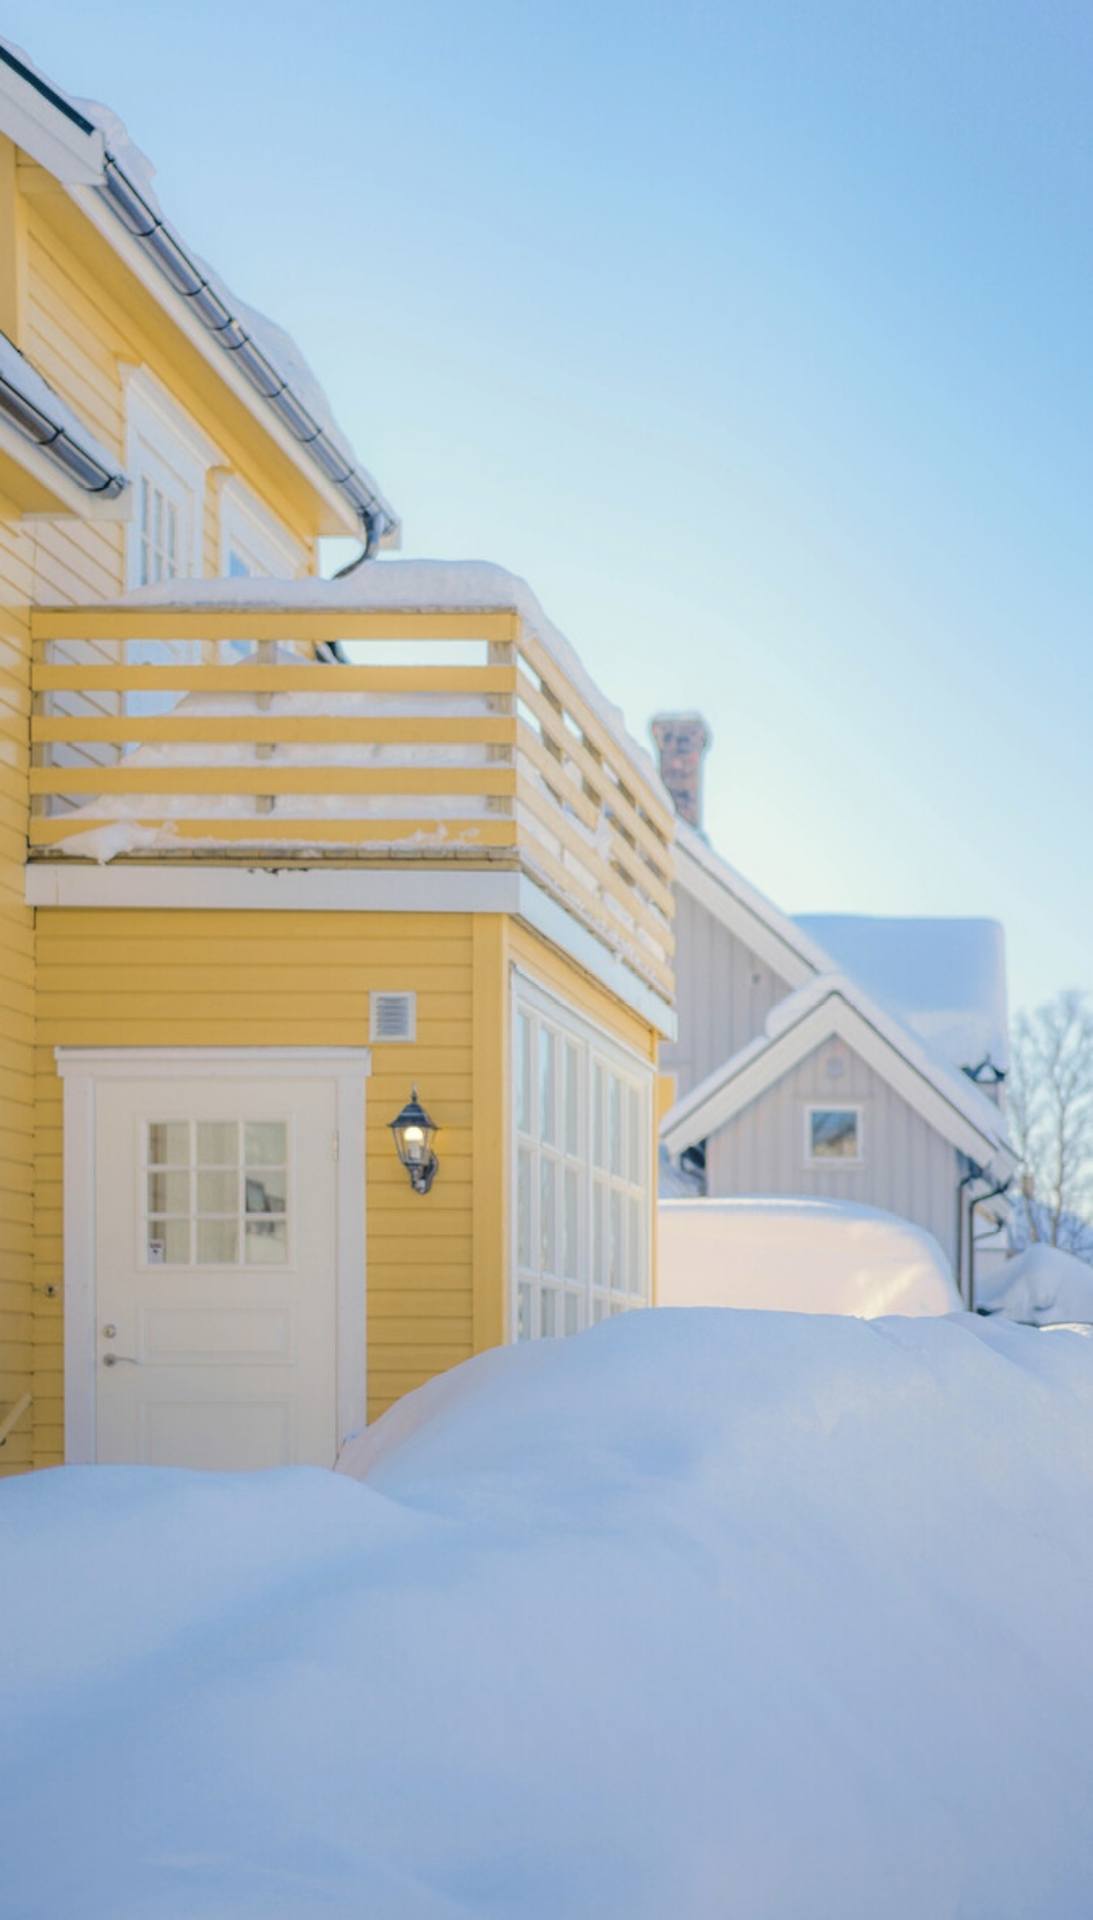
<point x="1043" y="1287"/>
<point x="698" y="1614"/>
<point x="798" y="1256"/>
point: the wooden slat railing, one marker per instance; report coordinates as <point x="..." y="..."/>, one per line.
<point x="502" y="762"/>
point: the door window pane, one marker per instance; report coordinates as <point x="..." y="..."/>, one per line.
<point x="265" y="1191"/>
<point x="217" y="1143"/>
<point x="168" y="1193"/>
<point x="168" y="1143"/>
<point x="217" y="1243"/>
<point x="218" y="1192"/>
<point x="168" y="1243"/>
<point x="267" y="1243"/>
<point x="265" y="1143"/>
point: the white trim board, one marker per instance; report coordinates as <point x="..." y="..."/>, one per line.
<point x="348" y="890"/>
<point x="81" y="1068"/>
<point x="758" y="1066"/>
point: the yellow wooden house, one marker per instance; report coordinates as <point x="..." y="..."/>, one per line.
<point x="335" y="916"/>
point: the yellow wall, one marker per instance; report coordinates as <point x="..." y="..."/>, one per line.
<point x="16" y="992"/>
<point x="436" y="1265"/>
<point x="70" y="306"/>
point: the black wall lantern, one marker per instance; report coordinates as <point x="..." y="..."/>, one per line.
<point x="414" y="1133"/>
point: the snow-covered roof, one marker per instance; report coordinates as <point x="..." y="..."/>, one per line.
<point x="16" y="369"/>
<point x="740" y="905"/>
<point x="284" y="357"/>
<point x="796" y="1025"/>
<point x="424" y="586"/>
<point x="944" y="978"/>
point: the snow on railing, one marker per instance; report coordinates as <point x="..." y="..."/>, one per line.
<point x="165" y="732"/>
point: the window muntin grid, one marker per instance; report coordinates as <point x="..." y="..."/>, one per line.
<point x="582" y="1121"/>
<point x="215" y="1193"/>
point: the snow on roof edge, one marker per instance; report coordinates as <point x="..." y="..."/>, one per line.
<point x="783" y="925"/>
<point x="272" y="340"/>
<point x="963" y="1095"/>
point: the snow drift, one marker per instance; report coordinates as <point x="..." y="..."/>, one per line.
<point x="1043" y="1287"/>
<point x="697" y="1614"/>
<point x="799" y="1256"/>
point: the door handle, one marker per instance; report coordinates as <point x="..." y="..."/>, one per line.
<point x="119" y="1359"/>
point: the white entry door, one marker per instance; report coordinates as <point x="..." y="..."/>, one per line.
<point x="216" y="1272"/>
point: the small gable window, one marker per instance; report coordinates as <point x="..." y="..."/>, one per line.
<point x="833" y="1136"/>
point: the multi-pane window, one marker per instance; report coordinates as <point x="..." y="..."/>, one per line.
<point x="157" y="535"/>
<point x="582" y="1118"/>
<point x="215" y="1193"/>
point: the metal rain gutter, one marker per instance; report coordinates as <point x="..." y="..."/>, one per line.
<point x="163" y="246"/>
<point x="54" y="439"/>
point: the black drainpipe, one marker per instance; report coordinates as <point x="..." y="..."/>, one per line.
<point x="973" y="1173"/>
<point x="993" y="1194"/>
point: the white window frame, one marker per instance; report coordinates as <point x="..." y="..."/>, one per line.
<point x="596" y="1049"/>
<point x="81" y="1070"/>
<point x="250" y="530"/>
<point x="828" y="1162"/>
<point x="164" y="446"/>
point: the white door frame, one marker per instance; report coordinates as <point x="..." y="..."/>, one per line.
<point x="81" y="1069"/>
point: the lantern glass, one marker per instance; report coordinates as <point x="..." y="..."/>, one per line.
<point x="413" y="1133"/>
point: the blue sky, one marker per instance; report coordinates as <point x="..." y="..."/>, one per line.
<point x="757" y="337"/>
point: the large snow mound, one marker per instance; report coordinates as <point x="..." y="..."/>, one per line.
<point x="698" y="1614"/>
<point x="1043" y="1287"/>
<point x="799" y="1256"/>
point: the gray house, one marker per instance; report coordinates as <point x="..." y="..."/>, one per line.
<point x="839" y="1056"/>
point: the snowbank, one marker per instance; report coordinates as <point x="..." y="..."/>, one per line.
<point x="1043" y="1287"/>
<point x="799" y="1256"/>
<point x="697" y="1614"/>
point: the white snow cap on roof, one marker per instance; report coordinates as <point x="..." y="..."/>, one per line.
<point x="426" y="586"/>
<point x="946" y="979"/>
<point x="279" y="348"/>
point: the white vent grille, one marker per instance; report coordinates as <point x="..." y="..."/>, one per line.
<point x="394" y="1016"/>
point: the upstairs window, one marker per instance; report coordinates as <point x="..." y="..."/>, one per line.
<point x="168" y="458"/>
<point x="833" y="1136"/>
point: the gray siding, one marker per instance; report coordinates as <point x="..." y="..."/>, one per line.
<point x="723" y="995"/>
<point x="907" y="1167"/>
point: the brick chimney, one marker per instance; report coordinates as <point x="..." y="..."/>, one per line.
<point x="682" y="740"/>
